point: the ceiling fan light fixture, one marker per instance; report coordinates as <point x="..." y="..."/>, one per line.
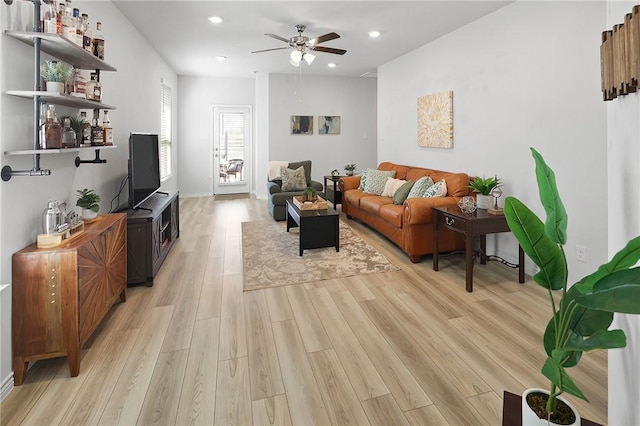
<point x="331" y="65"/>
<point x="295" y="57"/>
<point x="215" y="19"/>
<point x="374" y="34"/>
<point x="308" y="57"/>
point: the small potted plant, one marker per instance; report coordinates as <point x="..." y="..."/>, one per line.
<point x="583" y="312"/>
<point x="309" y="195"/>
<point x="349" y="168"/>
<point x="483" y="187"/>
<point x="55" y="74"/>
<point x="88" y="201"/>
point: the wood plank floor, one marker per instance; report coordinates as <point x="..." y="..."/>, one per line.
<point x="409" y="347"/>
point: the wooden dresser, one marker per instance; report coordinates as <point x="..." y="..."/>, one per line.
<point x="60" y="295"/>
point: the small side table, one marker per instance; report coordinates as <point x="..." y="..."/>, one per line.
<point x="479" y="223"/>
<point x="332" y="192"/>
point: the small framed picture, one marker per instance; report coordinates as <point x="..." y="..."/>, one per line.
<point x="301" y="124"/>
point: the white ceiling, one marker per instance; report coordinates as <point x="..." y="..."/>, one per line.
<point x="181" y="33"/>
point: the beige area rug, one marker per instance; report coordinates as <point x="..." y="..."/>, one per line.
<point x="270" y="257"/>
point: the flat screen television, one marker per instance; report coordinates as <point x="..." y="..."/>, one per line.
<point x="144" y="167"/>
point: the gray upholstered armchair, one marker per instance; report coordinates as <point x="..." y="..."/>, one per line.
<point x="276" y="198"/>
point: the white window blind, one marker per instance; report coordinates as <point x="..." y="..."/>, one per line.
<point x="232" y="135"/>
<point x="165" y="132"/>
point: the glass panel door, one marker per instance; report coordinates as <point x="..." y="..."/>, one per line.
<point x="231" y="142"/>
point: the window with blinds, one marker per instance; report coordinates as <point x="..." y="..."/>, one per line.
<point x="165" y="132"/>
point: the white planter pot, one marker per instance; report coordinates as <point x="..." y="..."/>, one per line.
<point x="55" y="86"/>
<point x="88" y="214"/>
<point x="484" y="201"/>
<point x="529" y="418"/>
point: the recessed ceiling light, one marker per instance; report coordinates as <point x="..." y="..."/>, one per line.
<point x="221" y="58"/>
<point x="331" y="65"/>
<point x="215" y="19"/>
<point x="374" y="34"/>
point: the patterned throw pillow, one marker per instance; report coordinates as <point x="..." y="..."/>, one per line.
<point x="402" y="192"/>
<point x="420" y="187"/>
<point x="438" y="189"/>
<point x="293" y="180"/>
<point x="392" y="186"/>
<point x="376" y="179"/>
<point x="363" y="178"/>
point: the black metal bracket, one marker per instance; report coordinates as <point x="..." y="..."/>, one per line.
<point x="96" y="160"/>
<point x="7" y="172"/>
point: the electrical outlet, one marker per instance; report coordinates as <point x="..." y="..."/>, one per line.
<point x="581" y="253"/>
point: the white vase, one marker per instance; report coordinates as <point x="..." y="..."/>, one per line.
<point x="55" y="86"/>
<point x="529" y="418"/>
<point x="484" y="201"/>
<point x="88" y="214"/>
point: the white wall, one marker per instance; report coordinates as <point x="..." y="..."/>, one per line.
<point x="527" y="75"/>
<point x="195" y="117"/>
<point x="134" y="89"/>
<point x="276" y="97"/>
<point x="353" y="99"/>
<point x="623" y="137"/>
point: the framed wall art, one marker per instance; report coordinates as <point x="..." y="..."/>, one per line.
<point x="435" y="120"/>
<point x="301" y="124"/>
<point x="329" y="124"/>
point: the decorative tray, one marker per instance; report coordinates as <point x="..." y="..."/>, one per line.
<point x="319" y="204"/>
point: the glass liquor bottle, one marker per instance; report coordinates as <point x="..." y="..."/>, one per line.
<point x="98" y="41"/>
<point x="86" y="34"/>
<point x="59" y="16"/>
<point x="52" y="130"/>
<point x="94" y="88"/>
<point x="78" y="27"/>
<point x="41" y="126"/>
<point x="107" y="129"/>
<point x="50" y="18"/>
<point x="97" y="133"/>
<point x="68" y="134"/>
<point x="85" y="130"/>
<point x="68" y="25"/>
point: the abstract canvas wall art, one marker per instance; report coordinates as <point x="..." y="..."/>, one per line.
<point x="301" y="124"/>
<point x="435" y="120"/>
<point x="329" y="124"/>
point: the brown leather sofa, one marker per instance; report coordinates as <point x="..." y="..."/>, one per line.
<point x="408" y="225"/>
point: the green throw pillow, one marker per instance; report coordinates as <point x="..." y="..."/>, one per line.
<point x="420" y="187"/>
<point x="376" y="179"/>
<point x="402" y="192"/>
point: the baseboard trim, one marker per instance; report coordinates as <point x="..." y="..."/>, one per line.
<point x="6" y="387"/>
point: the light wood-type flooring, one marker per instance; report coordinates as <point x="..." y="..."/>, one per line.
<point x="409" y="347"/>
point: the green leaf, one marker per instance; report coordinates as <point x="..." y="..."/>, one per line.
<point x="549" y="340"/>
<point x="556" y="224"/>
<point x="602" y="339"/>
<point x="529" y="231"/>
<point x="559" y="377"/>
<point x="586" y="321"/>
<point x="95" y="208"/>
<point x="624" y="259"/>
<point x="616" y="292"/>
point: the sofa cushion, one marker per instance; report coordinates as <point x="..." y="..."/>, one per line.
<point x="438" y="189"/>
<point x="293" y="180"/>
<point x="392" y="213"/>
<point x="420" y="187"/>
<point x="392" y="186"/>
<point x="372" y="203"/>
<point x="307" y="169"/>
<point x="353" y="197"/>
<point x="376" y="179"/>
<point x="403" y="192"/>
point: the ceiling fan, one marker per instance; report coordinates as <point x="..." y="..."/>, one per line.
<point x="301" y="46"/>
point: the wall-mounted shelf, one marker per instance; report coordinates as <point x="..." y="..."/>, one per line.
<point x="60" y="99"/>
<point x="58" y="151"/>
<point x="63" y="49"/>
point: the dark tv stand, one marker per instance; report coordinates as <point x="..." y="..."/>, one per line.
<point x="151" y="231"/>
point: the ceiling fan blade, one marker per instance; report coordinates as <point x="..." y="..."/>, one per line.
<point x="277" y="37"/>
<point x="329" y="50"/>
<point x="323" y="38"/>
<point x="269" y="50"/>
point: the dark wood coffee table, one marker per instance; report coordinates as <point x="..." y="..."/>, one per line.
<point x="470" y="225"/>
<point x="318" y="228"/>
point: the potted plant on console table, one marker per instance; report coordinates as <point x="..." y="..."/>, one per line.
<point x="88" y="201"/>
<point x="583" y="313"/>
